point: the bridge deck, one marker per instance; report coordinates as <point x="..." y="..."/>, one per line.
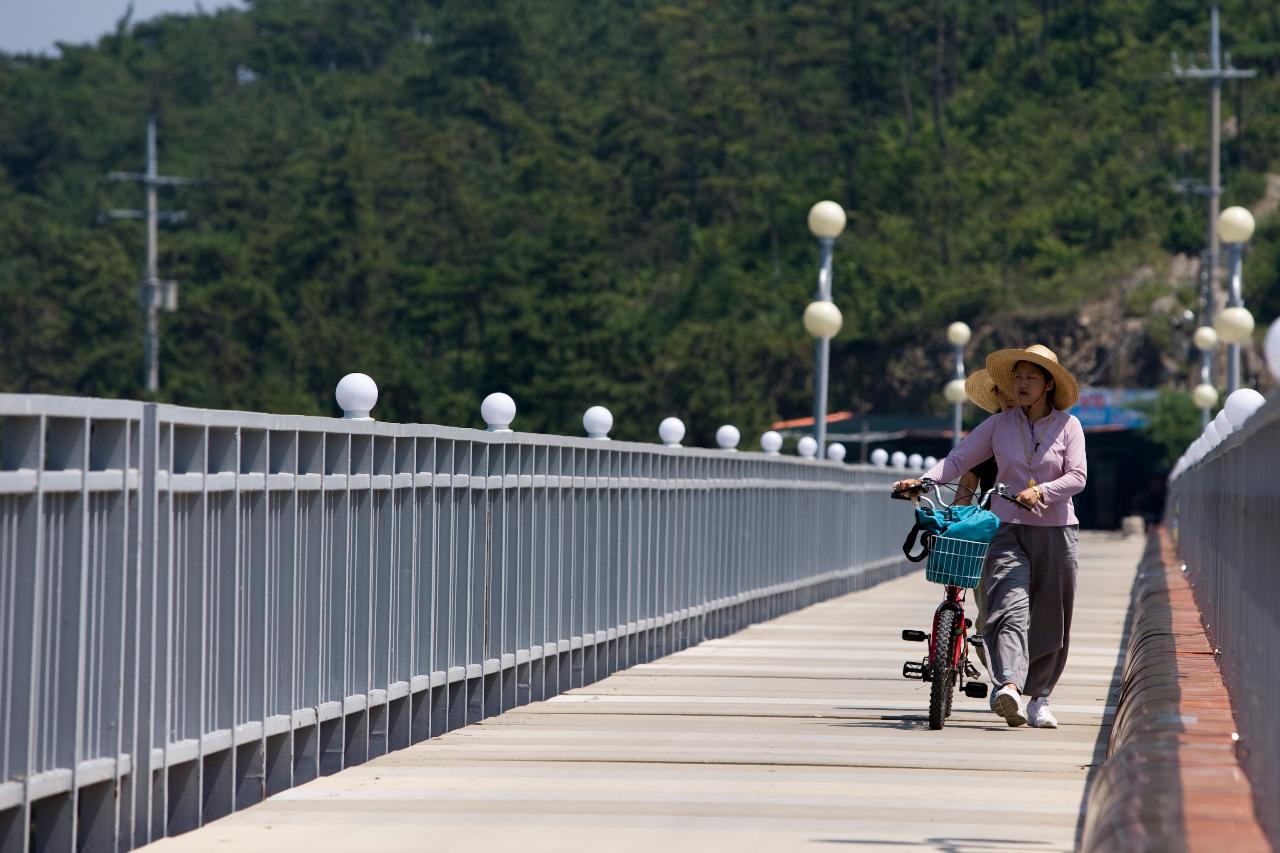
<point x="796" y="732"/>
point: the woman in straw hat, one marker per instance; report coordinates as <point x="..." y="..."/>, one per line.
<point x="1029" y="576"/>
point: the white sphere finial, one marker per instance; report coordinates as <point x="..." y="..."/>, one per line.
<point x="597" y="421"/>
<point x="955" y="391"/>
<point x="958" y="334"/>
<point x="1271" y="347"/>
<point x="356" y="394"/>
<point x="1222" y="423"/>
<point x="671" y="431"/>
<point x="915" y="462"/>
<point x="1205" y="338"/>
<point x="898" y="459"/>
<point x="929" y="462"/>
<point x="771" y="443"/>
<point x="827" y="219"/>
<point x="880" y="457"/>
<point x="1241" y="405"/>
<point x="807" y="447"/>
<point x="836" y="452"/>
<point x="1235" y="225"/>
<point x="498" y="411"/>
<point x="728" y="437"/>
<point x="1205" y="396"/>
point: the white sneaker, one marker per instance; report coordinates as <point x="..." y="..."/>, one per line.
<point x="1008" y="703"/>
<point x="1039" y="715"/>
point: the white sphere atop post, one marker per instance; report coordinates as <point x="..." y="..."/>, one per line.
<point x="1241" y="405"/>
<point x="915" y="462"/>
<point x="356" y="394"/>
<point x="771" y="443"/>
<point x="954" y="391"/>
<point x="498" y="411"/>
<point x="1234" y="325"/>
<point x="807" y="447"/>
<point x="898" y="459"/>
<point x="597" y="421"/>
<point x="1235" y="225"/>
<point x="1271" y="347"/>
<point x="1223" y="424"/>
<point x="727" y="437"/>
<point x="929" y="462"/>
<point x="879" y="457"/>
<point x="836" y="452"/>
<point x="1205" y="396"/>
<point x="671" y="431"/>
<point x="822" y="319"/>
<point x="827" y="219"/>
<point x="1210" y="435"/>
<point x="1205" y="338"/>
<point x="958" y="334"/>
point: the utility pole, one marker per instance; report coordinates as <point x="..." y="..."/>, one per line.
<point x="1213" y="75"/>
<point x="156" y="294"/>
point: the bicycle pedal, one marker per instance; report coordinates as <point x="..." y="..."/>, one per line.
<point x="975" y="640"/>
<point x="975" y="690"/>
<point x="914" y="669"/>
<point x="914" y="636"/>
<point x="968" y="623"/>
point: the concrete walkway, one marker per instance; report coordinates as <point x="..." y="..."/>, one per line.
<point x="796" y="733"/>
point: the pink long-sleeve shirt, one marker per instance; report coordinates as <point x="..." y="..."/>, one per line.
<point x="1058" y="466"/>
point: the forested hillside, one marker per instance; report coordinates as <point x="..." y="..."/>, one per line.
<point x="604" y="202"/>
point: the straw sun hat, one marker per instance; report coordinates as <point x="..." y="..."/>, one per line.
<point x="980" y="389"/>
<point x="1066" y="389"/>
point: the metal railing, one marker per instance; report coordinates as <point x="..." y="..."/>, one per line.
<point x="202" y="608"/>
<point x="1225" y="516"/>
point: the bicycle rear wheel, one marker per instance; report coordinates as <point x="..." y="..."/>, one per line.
<point x="943" y="670"/>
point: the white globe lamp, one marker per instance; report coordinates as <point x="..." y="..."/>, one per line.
<point x="1271" y="347"/>
<point x="898" y="459"/>
<point x="822" y="319"/>
<point x="356" y="395"/>
<point x="1241" y="405"/>
<point x="1234" y="325"/>
<point x="954" y="391"/>
<point x="771" y="443"/>
<point x="498" y="411"/>
<point x="1205" y="338"/>
<point x="1235" y="225"/>
<point x="879" y="457"/>
<point x="1205" y="396"/>
<point x="728" y="437"/>
<point x="958" y="334"/>
<point x="827" y="219"/>
<point x="597" y="421"/>
<point x="807" y="447"/>
<point x="836" y="452"/>
<point x="671" y="431"/>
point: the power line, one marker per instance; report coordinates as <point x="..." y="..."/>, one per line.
<point x="156" y="294"/>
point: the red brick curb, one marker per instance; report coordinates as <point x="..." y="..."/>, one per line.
<point x="1172" y="779"/>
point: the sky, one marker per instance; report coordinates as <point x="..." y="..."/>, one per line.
<point x="33" y="26"/>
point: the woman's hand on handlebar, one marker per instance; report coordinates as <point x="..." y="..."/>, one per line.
<point x="1029" y="497"/>
<point x="903" y="488"/>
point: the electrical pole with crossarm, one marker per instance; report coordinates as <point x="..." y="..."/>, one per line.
<point x="1213" y="75"/>
<point x="156" y="294"/>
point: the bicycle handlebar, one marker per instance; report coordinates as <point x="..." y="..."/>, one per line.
<point x="918" y="493"/>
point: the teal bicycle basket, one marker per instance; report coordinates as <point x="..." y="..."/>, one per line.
<point x="955" y="562"/>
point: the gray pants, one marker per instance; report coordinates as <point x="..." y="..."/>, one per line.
<point x="1029" y="581"/>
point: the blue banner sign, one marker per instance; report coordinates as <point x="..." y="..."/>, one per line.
<point x="1113" y="408"/>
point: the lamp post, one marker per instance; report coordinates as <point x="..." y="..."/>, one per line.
<point x="958" y="335"/>
<point x="1235" y="324"/>
<point x="822" y="318"/>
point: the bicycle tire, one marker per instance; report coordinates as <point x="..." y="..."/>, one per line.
<point x="943" y="670"/>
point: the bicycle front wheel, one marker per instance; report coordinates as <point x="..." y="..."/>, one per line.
<point x="943" y="670"/>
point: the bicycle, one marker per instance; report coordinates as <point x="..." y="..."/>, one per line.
<point x="957" y="565"/>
